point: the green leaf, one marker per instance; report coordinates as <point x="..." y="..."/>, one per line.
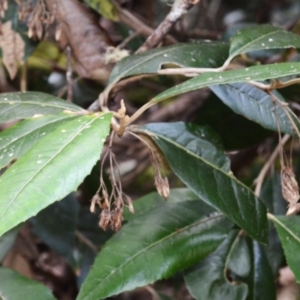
<point x="261" y="283"/>
<point x="274" y="252"/>
<point x="153" y="246"/>
<point x="6" y="241"/>
<point x="25" y="105"/>
<point x="56" y="224"/>
<point x="207" y="280"/>
<point x="256" y="105"/>
<point x="200" y="54"/>
<point x="262" y="37"/>
<point x="53" y="168"/>
<point x="212" y="184"/>
<point x="271" y="195"/>
<point x="239" y="261"/>
<point x="288" y="228"/>
<point x="199" y="139"/>
<point x="236" y="131"/>
<point x="13" y="286"/>
<point x="254" y="73"/>
<point x="153" y="200"/>
<point x="16" y="140"/>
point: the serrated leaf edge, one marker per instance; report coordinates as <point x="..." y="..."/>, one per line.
<point x="275" y="220"/>
<point x="183" y="229"/>
<point x="45" y="165"/>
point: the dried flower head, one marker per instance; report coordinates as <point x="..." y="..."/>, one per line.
<point x="105" y="200"/>
<point x="129" y="204"/>
<point x="111" y="203"/>
<point x="162" y="186"/>
<point x="116" y="219"/>
<point x="38" y="18"/>
<point x="105" y="218"/>
<point x="95" y="200"/>
<point x="290" y="189"/>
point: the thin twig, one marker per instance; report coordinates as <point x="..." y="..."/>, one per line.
<point x="86" y="241"/>
<point x="129" y="39"/>
<point x="136" y="24"/>
<point x="262" y="174"/>
<point x="64" y="89"/>
<point x="152" y="292"/>
<point x="283" y="107"/>
<point x="192" y="72"/>
<point x="179" y="8"/>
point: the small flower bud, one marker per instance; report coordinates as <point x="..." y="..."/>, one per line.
<point x="162" y="186"/>
<point x="105" y="218"/>
<point x="116" y="220"/>
<point x="95" y="200"/>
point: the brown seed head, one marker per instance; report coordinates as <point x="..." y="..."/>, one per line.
<point x="116" y="219"/>
<point x="105" y="218"/>
<point x="95" y="200"/>
<point x="290" y="189"/>
<point x="162" y="186"/>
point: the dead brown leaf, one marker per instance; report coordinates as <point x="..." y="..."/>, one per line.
<point x="13" y="48"/>
<point x="78" y="28"/>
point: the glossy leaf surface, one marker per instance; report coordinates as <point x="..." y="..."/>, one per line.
<point x="256" y="105"/>
<point x="254" y="73"/>
<point x="153" y="200"/>
<point x="13" y="286"/>
<point x="207" y="280"/>
<point x="262" y="37"/>
<point x="201" y="140"/>
<point x="239" y="262"/>
<point x="153" y="246"/>
<point x="211" y="183"/>
<point x="271" y="195"/>
<point x="200" y="54"/>
<point x="261" y="284"/>
<point x="53" y="168"/>
<point x="288" y="228"/>
<point x="25" y="105"/>
<point x="236" y="131"/>
<point x="16" y="140"/>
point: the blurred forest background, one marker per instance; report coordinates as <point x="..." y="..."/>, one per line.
<point x="68" y="48"/>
